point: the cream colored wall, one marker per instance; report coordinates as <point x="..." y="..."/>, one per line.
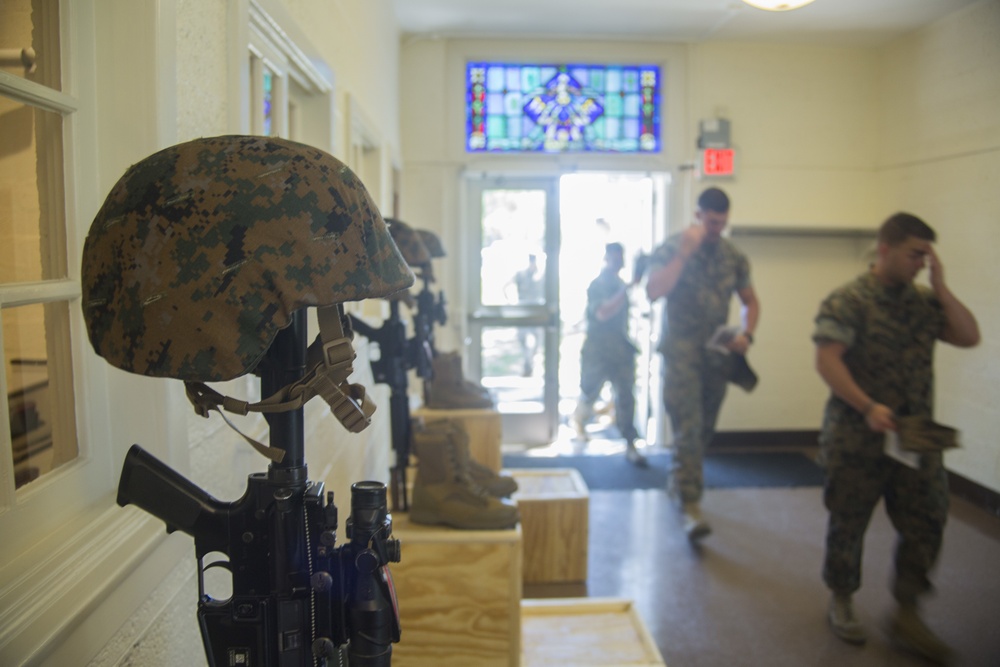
<point x="202" y="38"/>
<point x="939" y="158"/>
<point x="792" y="274"/>
<point x="803" y="125"/>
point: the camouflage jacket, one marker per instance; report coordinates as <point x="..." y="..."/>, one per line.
<point x="614" y="330"/>
<point x="890" y="335"/>
<point x="699" y="303"/>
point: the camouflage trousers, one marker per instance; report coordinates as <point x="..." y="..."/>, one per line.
<point x="694" y="386"/>
<point x="917" y="504"/>
<point x="617" y="366"/>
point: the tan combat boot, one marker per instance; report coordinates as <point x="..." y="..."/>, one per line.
<point x="634" y="456"/>
<point x="907" y="631"/>
<point x="497" y="485"/>
<point x="843" y="621"/>
<point x="694" y="523"/>
<point x="444" y="492"/>
<point x="450" y="390"/>
<point x="583" y="413"/>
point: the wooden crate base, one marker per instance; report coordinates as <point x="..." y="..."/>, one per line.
<point x="483" y="427"/>
<point x="459" y="595"/>
<point x="596" y="632"/>
<point x="555" y="517"/>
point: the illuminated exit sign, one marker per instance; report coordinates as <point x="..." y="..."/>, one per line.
<point x="718" y="162"/>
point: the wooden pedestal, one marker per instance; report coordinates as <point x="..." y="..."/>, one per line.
<point x="459" y="595"/>
<point x="555" y="518"/>
<point x="483" y="427"/>
<point x="586" y="631"/>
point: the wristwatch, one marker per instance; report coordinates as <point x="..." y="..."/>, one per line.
<point x="748" y="336"/>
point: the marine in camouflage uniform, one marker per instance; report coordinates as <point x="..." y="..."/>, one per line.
<point x="881" y="329"/>
<point x="608" y="355"/>
<point x="699" y="272"/>
<point x="529" y="283"/>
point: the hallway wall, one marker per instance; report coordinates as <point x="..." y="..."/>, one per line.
<point x="939" y="158"/>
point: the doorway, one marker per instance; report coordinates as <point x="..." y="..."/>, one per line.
<point x="539" y="242"/>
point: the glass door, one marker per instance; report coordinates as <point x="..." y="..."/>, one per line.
<point x="514" y="304"/>
<point x="597" y="208"/>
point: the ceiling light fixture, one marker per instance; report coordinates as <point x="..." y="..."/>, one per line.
<point x="777" y="5"/>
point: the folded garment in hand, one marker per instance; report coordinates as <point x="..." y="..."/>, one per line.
<point x="920" y="433"/>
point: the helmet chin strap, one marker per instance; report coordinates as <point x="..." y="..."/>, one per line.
<point x="330" y="360"/>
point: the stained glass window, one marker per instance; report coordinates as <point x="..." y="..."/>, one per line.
<point x="268" y="100"/>
<point x="562" y="108"/>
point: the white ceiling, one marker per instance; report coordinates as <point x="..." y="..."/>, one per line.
<point x="856" y="22"/>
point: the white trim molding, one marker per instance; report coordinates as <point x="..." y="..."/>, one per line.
<point x="68" y="575"/>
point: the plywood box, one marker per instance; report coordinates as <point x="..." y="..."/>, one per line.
<point x="483" y="426"/>
<point x="555" y="518"/>
<point x="459" y="595"/>
<point x="597" y="632"/>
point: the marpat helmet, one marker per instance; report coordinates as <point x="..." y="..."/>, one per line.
<point x="432" y="242"/>
<point x="435" y="248"/>
<point x="413" y="250"/>
<point x="202" y="252"/>
<point x="410" y="243"/>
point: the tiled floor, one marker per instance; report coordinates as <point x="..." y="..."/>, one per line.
<point x="751" y="593"/>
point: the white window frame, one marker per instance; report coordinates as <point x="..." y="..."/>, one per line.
<point x="25" y="509"/>
<point x="258" y="27"/>
<point x="365" y="155"/>
<point x="263" y="54"/>
<point x="66" y="544"/>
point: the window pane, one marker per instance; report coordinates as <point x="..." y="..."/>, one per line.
<point x="31" y="194"/>
<point x="268" y="95"/>
<point x="512" y="368"/>
<point x="561" y="108"/>
<point x="513" y="258"/>
<point x="36" y="353"/>
<point x="29" y="40"/>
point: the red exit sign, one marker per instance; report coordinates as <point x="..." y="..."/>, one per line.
<point x="718" y="161"/>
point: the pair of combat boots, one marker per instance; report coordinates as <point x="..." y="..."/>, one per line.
<point x="449" y="390"/>
<point x="453" y="490"/>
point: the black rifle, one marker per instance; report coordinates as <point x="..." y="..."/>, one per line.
<point x="397" y="356"/>
<point x="430" y="311"/>
<point x="298" y="600"/>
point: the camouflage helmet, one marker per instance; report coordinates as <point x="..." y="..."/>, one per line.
<point x="410" y="245"/>
<point x="433" y="243"/>
<point x="202" y="252"/>
<point x="409" y="242"/>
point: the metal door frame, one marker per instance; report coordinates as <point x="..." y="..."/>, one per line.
<point x="517" y="428"/>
